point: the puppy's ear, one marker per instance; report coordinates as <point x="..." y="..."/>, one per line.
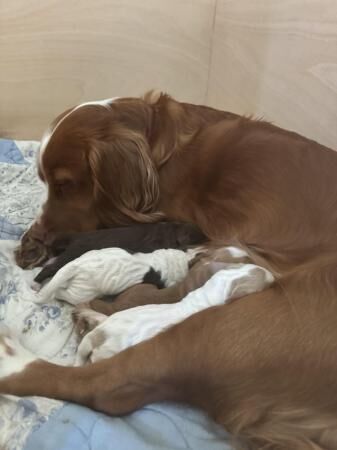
<point x="125" y="179"/>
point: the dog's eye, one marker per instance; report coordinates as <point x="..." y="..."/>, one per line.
<point x="63" y="187"/>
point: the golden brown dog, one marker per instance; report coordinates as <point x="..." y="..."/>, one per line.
<point x="263" y="366"/>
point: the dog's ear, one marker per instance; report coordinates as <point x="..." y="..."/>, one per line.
<point x="170" y="127"/>
<point x="125" y="179"/>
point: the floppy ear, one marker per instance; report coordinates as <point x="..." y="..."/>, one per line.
<point x="125" y="179"/>
<point x="171" y="129"/>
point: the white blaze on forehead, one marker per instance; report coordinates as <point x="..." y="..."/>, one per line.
<point x="50" y="131"/>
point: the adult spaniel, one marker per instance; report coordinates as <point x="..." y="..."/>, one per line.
<point x="264" y="366"/>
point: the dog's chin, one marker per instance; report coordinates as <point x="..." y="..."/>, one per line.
<point x="32" y="253"/>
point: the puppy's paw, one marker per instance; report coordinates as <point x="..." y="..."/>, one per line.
<point x="14" y="358"/>
<point x="86" y="319"/>
<point x="93" y="347"/>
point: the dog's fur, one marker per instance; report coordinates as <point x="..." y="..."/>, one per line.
<point x="264" y="366"/>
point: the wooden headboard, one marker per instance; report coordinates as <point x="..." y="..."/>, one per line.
<point x="276" y="59"/>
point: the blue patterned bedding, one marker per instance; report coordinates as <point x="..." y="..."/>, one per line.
<point x="39" y="423"/>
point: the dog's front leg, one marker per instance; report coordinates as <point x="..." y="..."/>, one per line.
<point x="135" y="377"/>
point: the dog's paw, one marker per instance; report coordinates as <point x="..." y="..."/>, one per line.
<point x="86" y="319"/>
<point x="14" y="358"/>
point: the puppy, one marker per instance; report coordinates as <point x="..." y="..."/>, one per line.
<point x="144" y="238"/>
<point x="202" y="268"/>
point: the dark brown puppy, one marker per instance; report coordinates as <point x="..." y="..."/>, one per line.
<point x="144" y="238"/>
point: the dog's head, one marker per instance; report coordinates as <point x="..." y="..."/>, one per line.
<point x="100" y="162"/>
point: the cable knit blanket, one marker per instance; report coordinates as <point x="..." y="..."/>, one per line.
<point x="43" y="323"/>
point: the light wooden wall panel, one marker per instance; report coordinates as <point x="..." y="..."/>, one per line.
<point x="278" y="59"/>
<point x="57" y="53"/>
<point x="275" y="58"/>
